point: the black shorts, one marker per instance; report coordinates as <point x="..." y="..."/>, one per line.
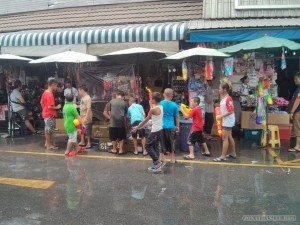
<point x="117" y="133"/>
<point x="227" y="128"/>
<point x="140" y="132"/>
<point x="168" y="140"/>
<point x="195" y="137"/>
<point x="23" y="113"/>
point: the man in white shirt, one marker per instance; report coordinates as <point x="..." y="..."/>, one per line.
<point x="17" y="104"/>
<point x="71" y="90"/>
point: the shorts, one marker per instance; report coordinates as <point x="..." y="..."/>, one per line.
<point x="296" y="124"/>
<point x="73" y="137"/>
<point x="226" y="128"/>
<point x="140" y="132"/>
<point x="168" y="140"/>
<point x="117" y="133"/>
<point x="195" y="137"/>
<point x="49" y="125"/>
<point x="88" y="131"/>
<point x="23" y="113"/>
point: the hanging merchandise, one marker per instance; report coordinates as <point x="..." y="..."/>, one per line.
<point x="283" y="62"/>
<point x="209" y="70"/>
<point x="184" y="70"/>
<point x="228" y="66"/>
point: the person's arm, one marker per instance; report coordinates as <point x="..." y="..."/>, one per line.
<point x="88" y="112"/>
<point x="185" y="115"/>
<point x="177" y="120"/>
<point x="106" y="111"/>
<point x="295" y="106"/>
<point x="151" y="112"/>
<point x="229" y="108"/>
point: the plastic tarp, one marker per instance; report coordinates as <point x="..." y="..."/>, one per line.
<point x="242" y="34"/>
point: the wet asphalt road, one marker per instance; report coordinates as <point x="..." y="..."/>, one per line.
<point x="100" y="188"/>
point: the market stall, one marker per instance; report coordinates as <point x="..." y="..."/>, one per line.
<point x="256" y="60"/>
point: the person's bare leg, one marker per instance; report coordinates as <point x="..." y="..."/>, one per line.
<point x="205" y="148"/>
<point x="225" y="143"/>
<point x="143" y="141"/>
<point x="232" y="145"/>
<point x="172" y="157"/>
<point x="135" y="144"/>
<point x="121" y="143"/>
<point x="114" y="144"/>
<point x="29" y="126"/>
<point x="162" y="157"/>
<point x="297" y="143"/>
<point x="69" y="148"/>
<point x="89" y="142"/>
<point x="192" y="152"/>
<point x="82" y="141"/>
<point x="48" y="140"/>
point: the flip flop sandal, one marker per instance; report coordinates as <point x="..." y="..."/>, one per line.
<point x="88" y="146"/>
<point x="135" y="153"/>
<point x="82" y="144"/>
<point x="230" y="156"/>
<point x="188" y="157"/>
<point x="71" y="154"/>
<point x="112" y="152"/>
<point x="145" y="154"/>
<point x="205" y="154"/>
<point x="121" y="153"/>
<point x="293" y="150"/>
<point x="52" y="148"/>
<point x="81" y="149"/>
<point x="219" y="159"/>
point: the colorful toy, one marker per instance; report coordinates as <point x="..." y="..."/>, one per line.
<point x="269" y="99"/>
<point x="219" y="121"/>
<point x="186" y="109"/>
<point x="260" y="89"/>
<point x="149" y="93"/>
<point x="184" y="70"/>
<point x="209" y="70"/>
<point x="228" y="67"/>
<point x="80" y="127"/>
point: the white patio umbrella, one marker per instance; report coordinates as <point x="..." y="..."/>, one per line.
<point x="134" y="55"/>
<point x="67" y="57"/>
<point x="196" y="54"/>
<point x="10" y="57"/>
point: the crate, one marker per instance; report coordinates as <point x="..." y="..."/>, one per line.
<point x="285" y="131"/>
<point x="252" y="134"/>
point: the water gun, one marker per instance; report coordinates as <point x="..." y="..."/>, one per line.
<point x="79" y="127"/>
<point x="269" y="99"/>
<point x="186" y="109"/>
<point x="219" y="121"/>
<point x="149" y="93"/>
<point x="260" y="89"/>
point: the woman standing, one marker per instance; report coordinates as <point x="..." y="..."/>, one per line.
<point x="244" y="90"/>
<point x="295" y="113"/>
<point x="228" y="121"/>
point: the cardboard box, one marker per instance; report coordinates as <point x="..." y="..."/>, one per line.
<point x="249" y="120"/>
<point x="59" y="125"/>
<point x="100" y="131"/>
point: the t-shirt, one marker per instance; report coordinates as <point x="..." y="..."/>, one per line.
<point x="196" y="115"/>
<point x="226" y="105"/>
<point x="245" y="90"/>
<point x="297" y="96"/>
<point x="15" y="97"/>
<point x="135" y="112"/>
<point x="118" y="112"/>
<point x="48" y="100"/>
<point x="170" y="113"/>
<point x="209" y="108"/>
<point x="70" y="113"/>
<point x="72" y="91"/>
<point x="86" y="103"/>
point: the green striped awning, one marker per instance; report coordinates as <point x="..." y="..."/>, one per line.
<point x="93" y="35"/>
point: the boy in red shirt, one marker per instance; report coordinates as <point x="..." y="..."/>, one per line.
<point x="49" y="113"/>
<point x="196" y="135"/>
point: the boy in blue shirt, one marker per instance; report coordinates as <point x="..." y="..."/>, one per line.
<point x="137" y="115"/>
<point x="170" y="125"/>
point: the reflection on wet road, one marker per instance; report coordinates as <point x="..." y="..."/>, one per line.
<point x="102" y="189"/>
